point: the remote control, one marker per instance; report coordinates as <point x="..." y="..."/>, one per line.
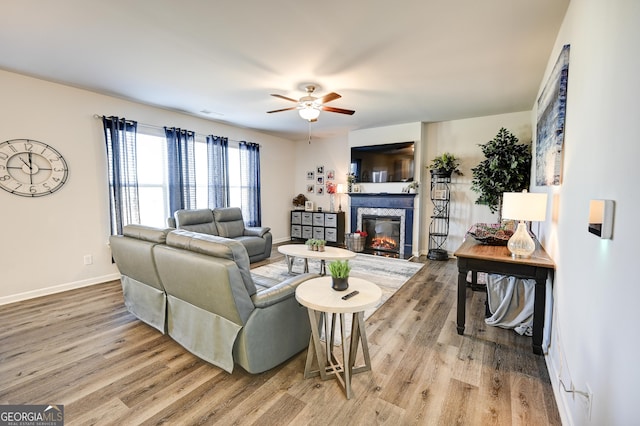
<point x="347" y="296"/>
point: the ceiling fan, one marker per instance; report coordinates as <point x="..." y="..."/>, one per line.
<point x="309" y="106"/>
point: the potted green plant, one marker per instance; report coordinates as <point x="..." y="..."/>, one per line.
<point x="413" y="186"/>
<point x="320" y="244"/>
<point x="445" y="164"/>
<point x="506" y="168"/>
<point x="311" y="244"/>
<point x="339" y="270"/>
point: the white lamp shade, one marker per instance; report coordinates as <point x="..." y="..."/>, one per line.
<point x="524" y="206"/>
<point x="340" y="188"/>
<point x="309" y="112"/>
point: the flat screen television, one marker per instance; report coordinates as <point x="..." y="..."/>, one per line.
<point x="392" y="162"/>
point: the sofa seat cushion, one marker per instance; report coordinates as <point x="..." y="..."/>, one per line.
<point x="196" y="220"/>
<point x="253" y="245"/>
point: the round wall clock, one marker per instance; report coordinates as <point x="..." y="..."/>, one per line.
<point x="31" y="168"/>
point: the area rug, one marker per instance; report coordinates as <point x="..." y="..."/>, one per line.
<point x="388" y="273"/>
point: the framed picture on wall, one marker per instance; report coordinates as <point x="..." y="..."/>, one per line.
<point x="320" y="170"/>
<point x="319" y="189"/>
<point x="331" y="174"/>
<point x="552" y="106"/>
<point x="310" y="189"/>
<point x="320" y="180"/>
<point x="310" y="175"/>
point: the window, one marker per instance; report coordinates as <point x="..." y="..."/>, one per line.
<point x="153" y="185"/>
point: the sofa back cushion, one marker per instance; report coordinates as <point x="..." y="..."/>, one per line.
<point x="133" y="252"/>
<point x="146" y="233"/>
<point x="229" y="221"/>
<point x="215" y="246"/>
<point x="196" y="220"/>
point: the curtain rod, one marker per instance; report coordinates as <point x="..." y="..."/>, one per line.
<point x="98" y="116"/>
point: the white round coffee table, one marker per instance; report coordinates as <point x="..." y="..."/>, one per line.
<point x="291" y="251"/>
<point x="320" y="299"/>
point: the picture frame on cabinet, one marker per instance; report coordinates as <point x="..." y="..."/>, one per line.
<point x="308" y="206"/>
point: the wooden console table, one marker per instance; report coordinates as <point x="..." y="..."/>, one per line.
<point x="476" y="257"/>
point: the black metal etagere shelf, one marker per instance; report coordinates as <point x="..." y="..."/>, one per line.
<point x="439" y="228"/>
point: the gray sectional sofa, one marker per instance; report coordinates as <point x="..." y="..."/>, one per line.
<point x="226" y="222"/>
<point x="199" y="289"/>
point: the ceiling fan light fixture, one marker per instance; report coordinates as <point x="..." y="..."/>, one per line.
<point x="309" y="112"/>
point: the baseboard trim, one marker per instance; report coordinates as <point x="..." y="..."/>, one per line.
<point x="4" y="300"/>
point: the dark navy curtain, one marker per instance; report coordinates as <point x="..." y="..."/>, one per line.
<point x="250" y="178"/>
<point x="218" y="173"/>
<point x="182" y="169"/>
<point x="120" y="138"/>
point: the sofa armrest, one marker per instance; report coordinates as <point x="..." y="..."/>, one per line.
<point x="280" y="292"/>
<point x="256" y="231"/>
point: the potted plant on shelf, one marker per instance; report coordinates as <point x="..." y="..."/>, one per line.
<point x="445" y="165"/>
<point x="506" y="168"/>
<point x="413" y="186"/>
<point x="339" y="270"/>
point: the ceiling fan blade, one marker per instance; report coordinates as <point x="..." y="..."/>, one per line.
<point x="339" y="110"/>
<point x="329" y="97"/>
<point x="284" y="97"/>
<point x="280" y="110"/>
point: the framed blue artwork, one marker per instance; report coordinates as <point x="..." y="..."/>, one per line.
<point x="552" y="106"/>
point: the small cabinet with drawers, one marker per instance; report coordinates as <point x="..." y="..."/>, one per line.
<point x="328" y="226"/>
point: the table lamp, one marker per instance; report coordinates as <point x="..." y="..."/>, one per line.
<point x="523" y="206"/>
<point x="339" y="191"/>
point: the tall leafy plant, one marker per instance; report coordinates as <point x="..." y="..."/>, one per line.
<point x="506" y="168"/>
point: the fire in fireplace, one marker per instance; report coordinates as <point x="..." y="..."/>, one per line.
<point x="383" y="233"/>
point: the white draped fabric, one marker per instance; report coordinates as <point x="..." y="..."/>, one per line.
<point x="510" y="302"/>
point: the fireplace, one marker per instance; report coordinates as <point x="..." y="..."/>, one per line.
<point x="383" y="234"/>
<point x="388" y="221"/>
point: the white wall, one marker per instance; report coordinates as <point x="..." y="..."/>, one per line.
<point x="461" y="138"/>
<point x="596" y="289"/>
<point x="44" y="239"/>
<point x="333" y="154"/>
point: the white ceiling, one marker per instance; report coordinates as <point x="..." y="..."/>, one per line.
<point x="392" y="62"/>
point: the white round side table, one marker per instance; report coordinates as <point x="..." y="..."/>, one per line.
<point x="321" y="300"/>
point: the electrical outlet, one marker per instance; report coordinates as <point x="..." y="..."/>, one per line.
<point x="88" y="259"/>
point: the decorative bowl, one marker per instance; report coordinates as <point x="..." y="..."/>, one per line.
<point x="493" y="234"/>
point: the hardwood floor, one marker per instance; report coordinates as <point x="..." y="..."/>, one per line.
<point x="83" y="349"/>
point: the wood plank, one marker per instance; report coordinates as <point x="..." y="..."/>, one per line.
<point x="83" y="349"/>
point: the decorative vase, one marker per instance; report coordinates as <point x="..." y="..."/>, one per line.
<point x="339" y="284"/>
